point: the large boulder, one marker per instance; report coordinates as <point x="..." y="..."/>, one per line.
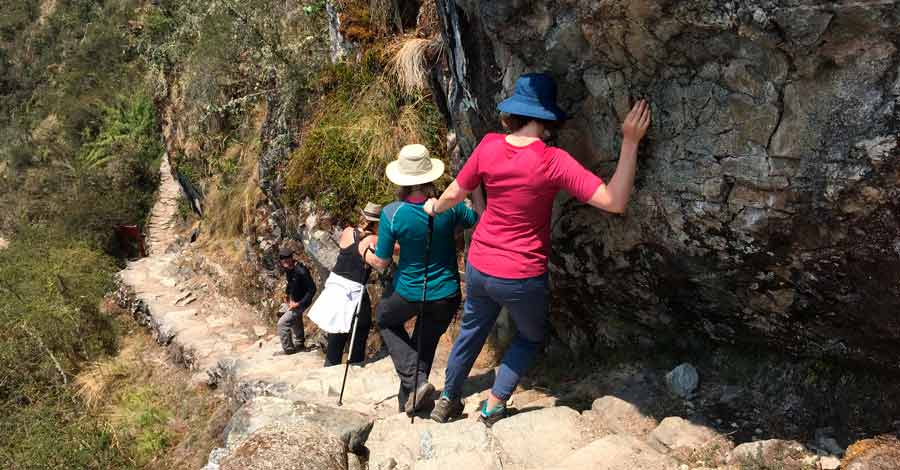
<point x="541" y="438"/>
<point x="613" y="415"/>
<point x="395" y="443"/>
<point x="767" y="193"/>
<point x="617" y="452"/>
<point x="678" y="433"/>
<point x="350" y="427"/>
<point x="881" y="453"/>
<point x="769" y="452"/>
<point x="281" y="447"/>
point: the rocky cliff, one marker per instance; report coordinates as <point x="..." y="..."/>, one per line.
<point x="766" y="206"/>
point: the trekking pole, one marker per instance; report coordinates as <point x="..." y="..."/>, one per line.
<point x="352" y="342"/>
<point x="417" y="330"/>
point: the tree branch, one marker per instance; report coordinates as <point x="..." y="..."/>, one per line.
<point x="37" y="338"/>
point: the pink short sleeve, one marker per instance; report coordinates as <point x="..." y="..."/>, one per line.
<point x="568" y="174"/>
<point x="470" y="177"/>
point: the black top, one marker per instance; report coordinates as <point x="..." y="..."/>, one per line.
<point x="350" y="264"/>
<point x="300" y="286"/>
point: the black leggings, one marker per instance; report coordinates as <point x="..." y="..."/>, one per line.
<point x="393" y="312"/>
<point x="338" y="341"/>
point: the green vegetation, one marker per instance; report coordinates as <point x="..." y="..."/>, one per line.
<point x="127" y="132"/>
<point x="50" y="288"/>
<point x="85" y="88"/>
<point x="363" y="119"/>
<point x="148" y="422"/>
<point x="79" y="148"/>
<point x="218" y="61"/>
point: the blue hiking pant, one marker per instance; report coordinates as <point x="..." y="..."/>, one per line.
<point x="526" y="302"/>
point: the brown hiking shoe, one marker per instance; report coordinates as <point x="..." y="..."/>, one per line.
<point x="423" y="395"/>
<point x="446" y="409"/>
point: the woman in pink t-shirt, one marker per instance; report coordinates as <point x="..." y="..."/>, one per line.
<point x="507" y="261"/>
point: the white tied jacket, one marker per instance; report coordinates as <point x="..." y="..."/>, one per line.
<point x="334" y="309"/>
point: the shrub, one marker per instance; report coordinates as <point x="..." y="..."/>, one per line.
<point x="50" y="287"/>
<point x="54" y="433"/>
<point x="128" y="132"/>
<point x="363" y="120"/>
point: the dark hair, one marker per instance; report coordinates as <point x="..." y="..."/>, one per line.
<point x="514" y="122"/>
<point x="403" y="192"/>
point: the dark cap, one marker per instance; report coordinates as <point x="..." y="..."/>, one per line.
<point x="285" y="252"/>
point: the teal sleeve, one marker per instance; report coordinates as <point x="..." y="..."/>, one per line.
<point x="385" y="247"/>
<point x="465" y="216"/>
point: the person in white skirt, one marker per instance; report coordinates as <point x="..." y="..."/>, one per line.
<point x="345" y="293"/>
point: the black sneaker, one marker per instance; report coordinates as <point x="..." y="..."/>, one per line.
<point x="285" y="353"/>
<point x="446" y="409"/>
<point x="423" y="395"/>
<point x="489" y="418"/>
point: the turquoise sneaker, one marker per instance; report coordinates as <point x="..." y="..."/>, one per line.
<point x="490" y="417"/>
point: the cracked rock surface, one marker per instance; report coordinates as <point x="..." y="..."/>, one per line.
<point x="766" y="204"/>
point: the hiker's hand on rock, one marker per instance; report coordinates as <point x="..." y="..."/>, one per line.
<point x="429" y="207"/>
<point x="637" y="122"/>
<point x="292" y="305"/>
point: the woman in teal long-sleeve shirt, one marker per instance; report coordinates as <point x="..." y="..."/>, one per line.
<point x="405" y="222"/>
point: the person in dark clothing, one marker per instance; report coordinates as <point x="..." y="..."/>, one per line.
<point x="299" y="293"/>
<point x="354" y="243"/>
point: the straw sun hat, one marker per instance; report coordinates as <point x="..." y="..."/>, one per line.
<point x="372" y="212"/>
<point x="413" y="166"/>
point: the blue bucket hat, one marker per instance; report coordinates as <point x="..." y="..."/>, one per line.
<point x="534" y="96"/>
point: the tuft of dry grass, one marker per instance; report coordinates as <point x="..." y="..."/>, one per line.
<point x="410" y="62"/>
<point x="151" y="407"/>
<point x="428" y="23"/>
<point x="231" y="208"/>
<point x="97" y="381"/>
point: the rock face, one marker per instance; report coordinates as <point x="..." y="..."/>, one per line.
<point x="766" y="205"/>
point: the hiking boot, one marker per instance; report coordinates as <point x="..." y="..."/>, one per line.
<point x="489" y="418"/>
<point x="422" y="395"/>
<point x="285" y="353"/>
<point x="447" y="409"/>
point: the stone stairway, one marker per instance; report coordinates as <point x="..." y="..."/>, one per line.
<point x="160" y="235"/>
<point x="282" y="397"/>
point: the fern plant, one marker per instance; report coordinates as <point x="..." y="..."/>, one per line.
<point x="128" y="130"/>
